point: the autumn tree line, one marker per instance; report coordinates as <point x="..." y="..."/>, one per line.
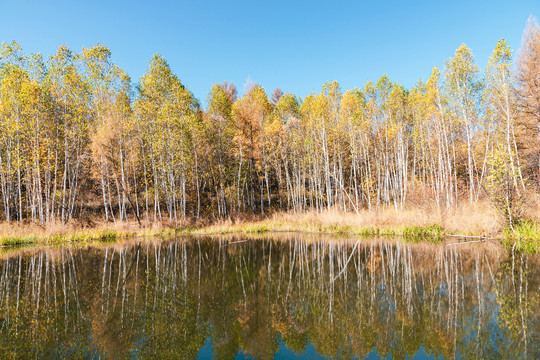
<point x="77" y="139"/>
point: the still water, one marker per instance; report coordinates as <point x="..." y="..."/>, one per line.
<point x="278" y="297"/>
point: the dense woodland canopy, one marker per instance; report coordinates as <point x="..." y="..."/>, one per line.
<point x="78" y="139"/>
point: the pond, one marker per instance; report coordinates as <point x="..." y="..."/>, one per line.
<point x="283" y="296"/>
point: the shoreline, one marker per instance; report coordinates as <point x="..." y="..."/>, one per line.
<point x="524" y="238"/>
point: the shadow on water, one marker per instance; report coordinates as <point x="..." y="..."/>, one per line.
<point x="286" y="297"/>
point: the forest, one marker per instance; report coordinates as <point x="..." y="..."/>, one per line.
<point x="80" y="141"/>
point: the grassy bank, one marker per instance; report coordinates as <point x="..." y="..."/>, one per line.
<point x="472" y="220"/>
<point x="21" y="234"/>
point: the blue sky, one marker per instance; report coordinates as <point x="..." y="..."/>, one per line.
<point x="294" y="45"/>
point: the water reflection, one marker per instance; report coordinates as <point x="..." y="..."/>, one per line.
<point x="267" y="298"/>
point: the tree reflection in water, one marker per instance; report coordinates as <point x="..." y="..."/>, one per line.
<point x="346" y="298"/>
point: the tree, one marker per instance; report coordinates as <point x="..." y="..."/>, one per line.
<point x="168" y="115"/>
<point x="528" y="95"/>
<point x="220" y="132"/>
<point x="250" y="114"/>
<point x="463" y="91"/>
<point x="499" y="100"/>
<point x="276" y="95"/>
<point x="110" y="107"/>
<point x="230" y="90"/>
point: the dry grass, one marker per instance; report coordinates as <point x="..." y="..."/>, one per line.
<point x="472" y="219"/>
<point x="422" y="221"/>
<point x="532" y="207"/>
<point x="469" y="219"/>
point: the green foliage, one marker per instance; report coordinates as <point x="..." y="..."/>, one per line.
<point x="503" y="190"/>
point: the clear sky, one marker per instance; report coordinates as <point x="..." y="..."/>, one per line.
<point x="293" y="45"/>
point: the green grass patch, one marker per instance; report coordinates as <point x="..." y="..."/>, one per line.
<point x="524" y="230"/>
<point x="77" y="236"/>
<point x="524" y="237"/>
<point x="16" y="240"/>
